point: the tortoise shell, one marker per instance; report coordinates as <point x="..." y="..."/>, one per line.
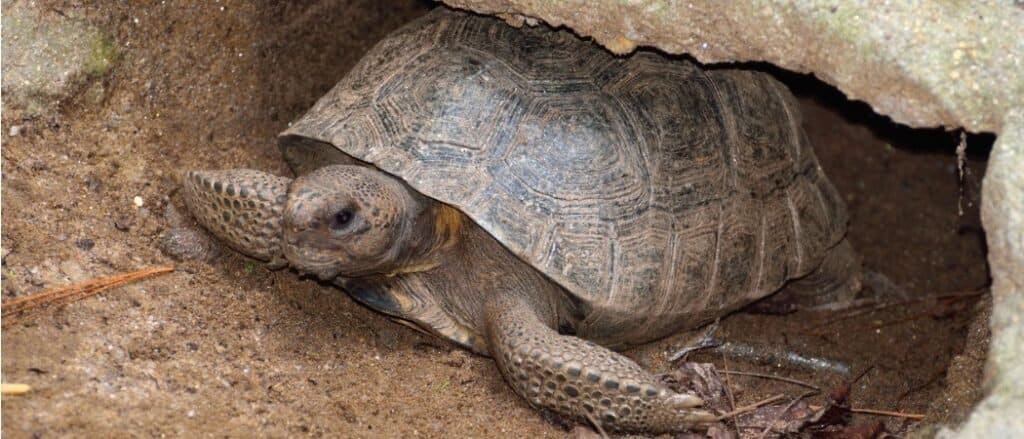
<point x="653" y="190"/>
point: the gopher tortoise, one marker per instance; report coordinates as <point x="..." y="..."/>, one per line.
<point x="531" y="197"/>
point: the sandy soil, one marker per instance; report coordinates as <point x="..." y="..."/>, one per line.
<point x="224" y="347"/>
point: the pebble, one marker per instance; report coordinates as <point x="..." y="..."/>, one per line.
<point x="456" y="358"/>
<point x="73" y="271"/>
<point x="187" y="243"/>
<point x="85" y="244"/>
<point x="5" y="249"/>
<point x="15" y="130"/>
<point x="173" y="217"/>
<point x="137" y="201"/>
<point x="93" y="183"/>
<point x="124" y="222"/>
<point x="38" y="165"/>
<point x="387" y="337"/>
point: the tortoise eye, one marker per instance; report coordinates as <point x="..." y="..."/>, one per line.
<point x="342" y="218"/>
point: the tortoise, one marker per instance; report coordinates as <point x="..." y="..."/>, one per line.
<point x="533" y="198"/>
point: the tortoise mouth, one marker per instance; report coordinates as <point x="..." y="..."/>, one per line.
<point x="320" y="272"/>
<point x="308" y="261"/>
<point x="314" y="257"/>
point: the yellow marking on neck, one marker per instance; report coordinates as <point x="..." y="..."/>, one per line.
<point x="447" y="225"/>
<point x="412" y="325"/>
<point x="417" y="268"/>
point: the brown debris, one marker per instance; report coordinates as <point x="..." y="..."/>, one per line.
<point x="777" y="416"/>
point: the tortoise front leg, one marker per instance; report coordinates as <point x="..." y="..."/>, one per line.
<point x="577" y="378"/>
<point x="242" y="207"/>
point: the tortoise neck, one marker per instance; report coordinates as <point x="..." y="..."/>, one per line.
<point x="435" y="231"/>
<point x="474" y="267"/>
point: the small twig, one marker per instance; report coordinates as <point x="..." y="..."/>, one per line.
<point x="750" y="407"/>
<point x="597" y="425"/>
<point x="768" y="428"/>
<point x="103" y="282"/>
<point x="914" y="416"/>
<point x="77" y="291"/>
<point x="894" y="322"/>
<point x="961" y="161"/>
<point x="773" y="377"/>
<point x="863" y="374"/>
<point x="927" y="313"/>
<point x="880" y="306"/>
<point x="48" y="293"/>
<point x="728" y="391"/>
<point x="48" y="297"/>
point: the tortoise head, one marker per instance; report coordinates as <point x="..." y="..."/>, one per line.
<point x="350" y="221"/>
<point x="341" y="220"/>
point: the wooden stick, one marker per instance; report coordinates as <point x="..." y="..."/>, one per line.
<point x="81" y="290"/>
<point x="768" y="428"/>
<point x="50" y="292"/>
<point x="750" y="407"/>
<point x="732" y="399"/>
<point x="89" y="285"/>
<point x="773" y="377"/>
<point x="869" y="308"/>
<point x="48" y="297"/>
<point x="914" y="416"/>
<point x="597" y="425"/>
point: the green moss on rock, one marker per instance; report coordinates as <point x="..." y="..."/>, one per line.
<point x="50" y="57"/>
<point x="102" y="56"/>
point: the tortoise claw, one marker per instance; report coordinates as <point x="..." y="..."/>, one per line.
<point x="685" y="400"/>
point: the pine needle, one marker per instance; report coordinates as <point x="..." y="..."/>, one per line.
<point x="19" y="307"/>
<point x="751" y="407"/>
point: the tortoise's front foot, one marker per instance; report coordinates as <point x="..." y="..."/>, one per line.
<point x="582" y="380"/>
<point x="242" y="207"/>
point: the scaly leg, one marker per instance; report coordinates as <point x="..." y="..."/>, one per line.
<point x="242" y="207"/>
<point x="580" y="379"/>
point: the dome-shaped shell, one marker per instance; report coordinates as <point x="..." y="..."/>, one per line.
<point x="646" y="186"/>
